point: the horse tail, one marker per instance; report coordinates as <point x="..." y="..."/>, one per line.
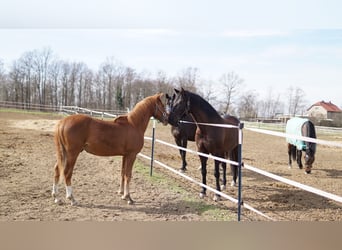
<point x="60" y="148"/>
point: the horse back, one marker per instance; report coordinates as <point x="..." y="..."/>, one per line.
<point x="81" y="132"/>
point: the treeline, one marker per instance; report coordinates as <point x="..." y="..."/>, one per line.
<point x="40" y="77"/>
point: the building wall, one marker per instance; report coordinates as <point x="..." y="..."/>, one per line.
<point x="318" y="112"/>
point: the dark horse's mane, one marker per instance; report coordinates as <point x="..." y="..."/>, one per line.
<point x="205" y="106"/>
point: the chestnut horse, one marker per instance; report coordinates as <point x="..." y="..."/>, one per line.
<point x="123" y="136"/>
<point x="218" y="141"/>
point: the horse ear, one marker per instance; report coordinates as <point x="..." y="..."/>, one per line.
<point x="176" y="91"/>
<point x="167" y="96"/>
<point x="162" y="98"/>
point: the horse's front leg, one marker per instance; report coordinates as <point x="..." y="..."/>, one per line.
<point x="204" y="174"/>
<point x="184" y="144"/>
<point x="299" y="158"/>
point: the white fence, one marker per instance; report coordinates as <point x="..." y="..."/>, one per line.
<point x="74" y="109"/>
<point x="316" y="191"/>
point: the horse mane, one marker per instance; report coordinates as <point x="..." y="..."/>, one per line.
<point x="205" y="106"/>
<point x="143" y="110"/>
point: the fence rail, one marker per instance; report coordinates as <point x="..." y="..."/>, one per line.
<point x="103" y="113"/>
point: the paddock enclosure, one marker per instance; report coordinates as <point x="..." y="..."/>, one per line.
<point x="27" y="157"/>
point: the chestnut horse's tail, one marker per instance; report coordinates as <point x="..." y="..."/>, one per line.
<point x="60" y="149"/>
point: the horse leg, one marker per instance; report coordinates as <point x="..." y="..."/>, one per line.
<point x="122" y="182"/>
<point x="217" y="177"/>
<point x="68" y="169"/>
<point x="184" y="143"/>
<point x="299" y="159"/>
<point x="204" y="174"/>
<point x="289" y="150"/>
<point x="129" y="160"/>
<point x="55" y="184"/>
<point x="224" y="178"/>
<point x="234" y="168"/>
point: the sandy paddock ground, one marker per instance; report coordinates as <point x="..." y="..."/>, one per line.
<point x="27" y="157"/>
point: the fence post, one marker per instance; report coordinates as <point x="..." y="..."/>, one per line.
<point x="153" y="139"/>
<point x="240" y="202"/>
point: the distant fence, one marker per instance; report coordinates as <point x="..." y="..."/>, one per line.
<point x="64" y="109"/>
<point x="99" y="113"/>
<point x="29" y="106"/>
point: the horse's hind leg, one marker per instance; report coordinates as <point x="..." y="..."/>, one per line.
<point x="128" y="161"/>
<point x="234" y="168"/>
<point x="217" y="177"/>
<point x="289" y="151"/>
<point x="224" y="178"/>
<point x="68" y="169"/>
<point x="55" y="184"/>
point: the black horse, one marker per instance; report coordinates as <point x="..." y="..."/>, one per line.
<point x="218" y="141"/>
<point x="301" y="127"/>
<point x="183" y="132"/>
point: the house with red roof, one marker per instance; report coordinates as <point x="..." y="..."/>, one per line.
<point x="325" y="111"/>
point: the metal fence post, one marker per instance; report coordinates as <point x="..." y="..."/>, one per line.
<point x="153" y="139"/>
<point x="240" y="202"/>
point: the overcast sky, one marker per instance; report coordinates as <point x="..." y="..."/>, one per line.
<point x="269" y="44"/>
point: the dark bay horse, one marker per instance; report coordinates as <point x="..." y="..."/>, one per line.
<point x="183" y="132"/>
<point x="123" y="136"/>
<point x="301" y="127"/>
<point x="218" y="141"/>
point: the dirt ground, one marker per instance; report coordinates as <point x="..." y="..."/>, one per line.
<point x="27" y="157"/>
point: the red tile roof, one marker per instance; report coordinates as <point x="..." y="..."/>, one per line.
<point x="328" y="106"/>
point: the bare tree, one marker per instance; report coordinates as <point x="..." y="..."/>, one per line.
<point x="247" y="107"/>
<point x="231" y="82"/>
<point x="188" y="79"/>
<point x="296" y="101"/>
<point x="271" y="105"/>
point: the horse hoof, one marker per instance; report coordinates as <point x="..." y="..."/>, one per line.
<point x="72" y="200"/>
<point x="182" y="170"/>
<point x="58" y="201"/>
<point x="233" y="184"/>
<point x="289" y="166"/>
<point x="73" y="203"/>
<point x="130" y="202"/>
<point x="216" y="198"/>
<point x="223" y="187"/>
<point x="202" y="195"/>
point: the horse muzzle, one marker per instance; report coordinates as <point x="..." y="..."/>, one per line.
<point x="172" y="120"/>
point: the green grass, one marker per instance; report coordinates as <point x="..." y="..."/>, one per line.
<point x="212" y="212"/>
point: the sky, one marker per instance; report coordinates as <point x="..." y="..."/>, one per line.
<point x="271" y="45"/>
